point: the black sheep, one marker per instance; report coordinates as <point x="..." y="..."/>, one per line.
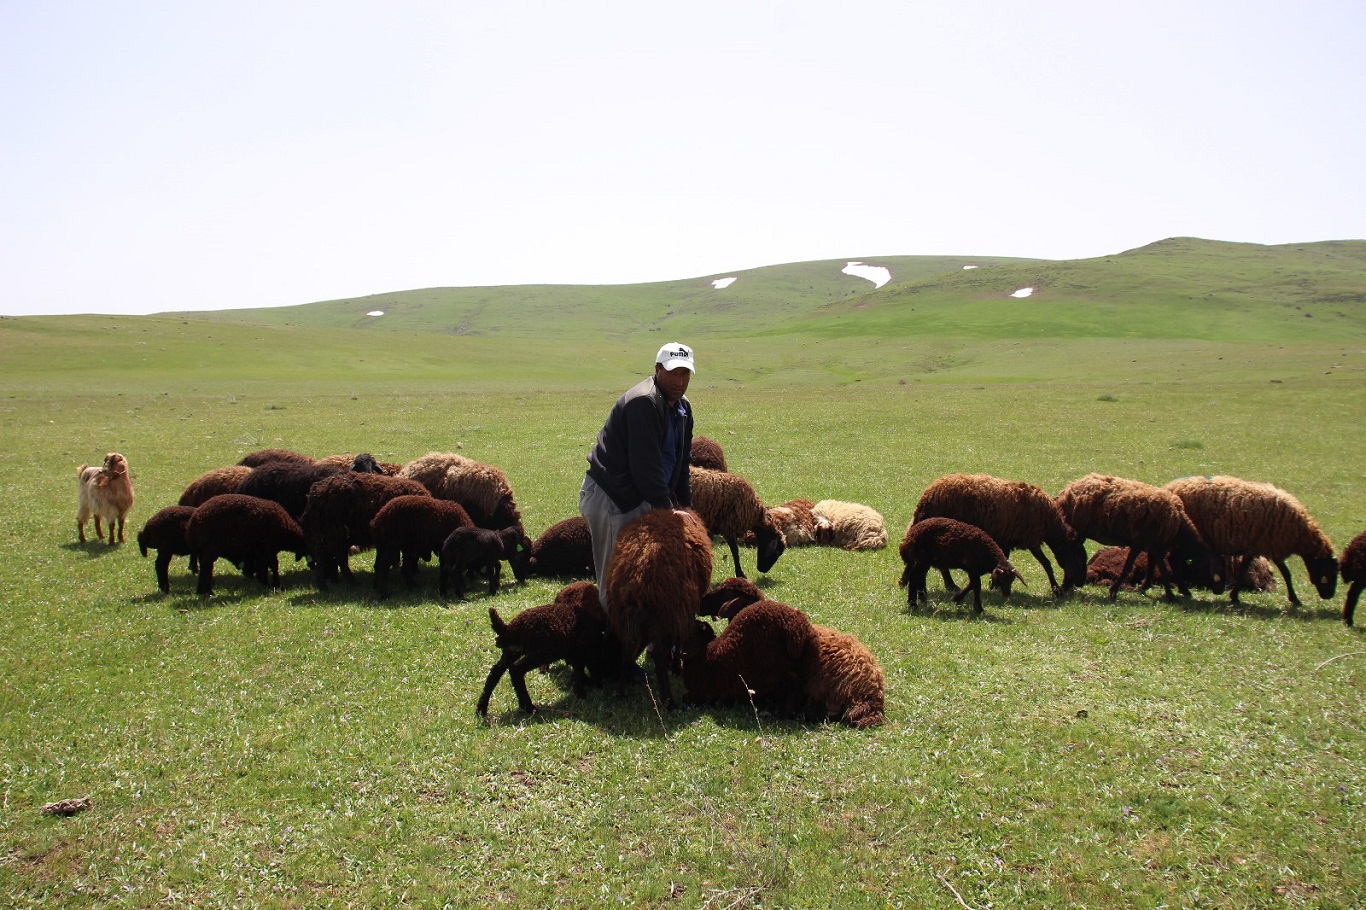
<point x="945" y="544"/>
<point x="412" y="528"/>
<point x="482" y="549"/>
<point x="564" y="550"/>
<point x="338" y="513"/>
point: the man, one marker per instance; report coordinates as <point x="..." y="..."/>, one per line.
<point x="640" y="461"/>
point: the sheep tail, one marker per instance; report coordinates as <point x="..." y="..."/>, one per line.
<point x="499" y="627"/>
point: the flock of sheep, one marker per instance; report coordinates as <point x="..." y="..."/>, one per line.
<point x="1212" y="532"/>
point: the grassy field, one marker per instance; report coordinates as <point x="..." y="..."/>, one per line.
<point x="295" y="749"/>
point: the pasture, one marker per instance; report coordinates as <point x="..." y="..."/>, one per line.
<point x="296" y="749"/>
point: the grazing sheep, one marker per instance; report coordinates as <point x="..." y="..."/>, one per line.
<point x="286" y="482"/>
<point x="564" y="550"/>
<point x="944" y="544"/>
<point x="165" y="533"/>
<point x="1108" y="562"/>
<point x="106" y="492"/>
<point x="472" y="548"/>
<point x="1246" y="519"/>
<point x="573" y="628"/>
<point x="759" y="655"/>
<point x="1017" y="515"/>
<point x="842" y="680"/>
<point x="412" y="528"/>
<point x="1114" y="511"/>
<point x="271" y="456"/>
<point x="364" y="463"/>
<point x="729" y="507"/>
<point x="482" y="489"/>
<point x="213" y="483"/>
<point x="661" y="568"/>
<point x="1354" y="574"/>
<point x="246" y="530"/>
<point x="337" y="515"/>
<point x="849" y="525"/>
<point x="706" y="452"/>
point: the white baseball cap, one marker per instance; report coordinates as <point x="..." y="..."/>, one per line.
<point x="674" y="355"/>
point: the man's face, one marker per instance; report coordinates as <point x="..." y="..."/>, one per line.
<point x="673" y="383"/>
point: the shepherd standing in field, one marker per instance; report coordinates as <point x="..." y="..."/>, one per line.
<point x="640" y="461"/>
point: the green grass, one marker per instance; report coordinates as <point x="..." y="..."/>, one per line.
<point x="296" y="749"/>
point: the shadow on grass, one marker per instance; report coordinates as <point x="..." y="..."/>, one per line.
<point x="94" y="548"/>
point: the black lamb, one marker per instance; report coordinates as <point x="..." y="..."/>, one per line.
<point x="481" y="549"/>
<point x="165" y="533"/>
<point x="245" y="530"/>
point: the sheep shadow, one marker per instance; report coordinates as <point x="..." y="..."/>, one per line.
<point x="1264" y="611"/>
<point x="95" y="548"/>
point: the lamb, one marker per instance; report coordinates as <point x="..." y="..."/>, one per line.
<point x="1017" y="516"/>
<point x="729" y="598"/>
<point x="1354" y="574"/>
<point x="842" y="680"/>
<point x="572" y="628"/>
<point x="1246" y="519"/>
<point x="849" y="525"/>
<point x="946" y="543"/>
<point x="482" y="489"/>
<point x="106" y="492"/>
<point x="165" y="533"/>
<point x="759" y="655"/>
<point x="661" y="567"/>
<point x="364" y="463"/>
<point x="480" y="548"/>
<point x="565" y="550"/>
<point x="246" y="530"/>
<point x="213" y="483"/>
<point x="707" y="453"/>
<point x="1115" y="511"/>
<point x="412" y="528"/>
<point x="337" y="515"/>
<point x="1106" y="565"/>
<point x="729" y="507"/>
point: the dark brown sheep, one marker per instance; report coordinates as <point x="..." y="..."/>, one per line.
<point x="944" y="544"/>
<point x="759" y="656"/>
<point x="245" y="530"/>
<point x="165" y="533"/>
<point x="564" y="550"/>
<point x="729" y="507"/>
<point x="1354" y="574"/>
<point x="842" y="680"/>
<point x="573" y="628"/>
<point x="480" y="549"/>
<point x="707" y="453"/>
<point x="1017" y="515"/>
<point x="407" y="529"/>
<point x="213" y="483"/>
<point x="337" y="516"/>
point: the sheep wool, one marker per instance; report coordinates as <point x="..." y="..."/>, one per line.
<point x="759" y="656"/>
<point x="843" y="679"/>
<point x="213" y="483"/>
<point x="729" y="507"/>
<point x="165" y="533"/>
<point x="660" y="570"/>
<point x="1246" y="519"/>
<point x="849" y="525"/>
<point x="1354" y="574"/>
<point x="707" y="453"/>
<point x="482" y="489"/>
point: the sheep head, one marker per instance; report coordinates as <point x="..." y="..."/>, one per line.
<point x="1324" y="572"/>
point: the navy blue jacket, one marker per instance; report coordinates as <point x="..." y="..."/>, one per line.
<point x="626" y="460"/>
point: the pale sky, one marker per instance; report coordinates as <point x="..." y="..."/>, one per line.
<point x="161" y="156"/>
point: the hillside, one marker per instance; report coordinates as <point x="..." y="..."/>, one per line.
<point x="1180" y="288"/>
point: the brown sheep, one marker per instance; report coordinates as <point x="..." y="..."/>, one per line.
<point x="482" y="489"/>
<point x="730" y="508"/>
<point x="337" y="516"/>
<point x="213" y="483"/>
<point x="1017" y="515"/>
<point x="800" y="524"/>
<point x="246" y="530"/>
<point x="759" y="655"/>
<point x="105" y="492"/>
<point x="1108" y="562"/>
<point x="565" y="549"/>
<point x="1115" y="511"/>
<point x="660" y="570"/>
<point x="271" y="456"/>
<point x="1246" y="519"/>
<point x="165" y="533"/>
<point x="706" y="452"/>
<point x="842" y="680"/>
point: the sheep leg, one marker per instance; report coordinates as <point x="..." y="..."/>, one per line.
<point x="111" y="531"/>
<point x="662" y="653"/>
<point x="494" y="569"/>
<point x="1037" y="550"/>
<point x="517" y="673"/>
<point x="1124" y="573"/>
<point x="164" y="570"/>
<point x="1349" y="606"/>
<point x="975" y="586"/>
<point x="735" y="556"/>
<point x="1285" y="573"/>
<point x="205" y="588"/>
<point x="949" y="585"/>
<point x="495" y="673"/>
<point x="80" y="530"/>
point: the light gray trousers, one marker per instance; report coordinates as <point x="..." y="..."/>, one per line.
<point x="605" y="522"/>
